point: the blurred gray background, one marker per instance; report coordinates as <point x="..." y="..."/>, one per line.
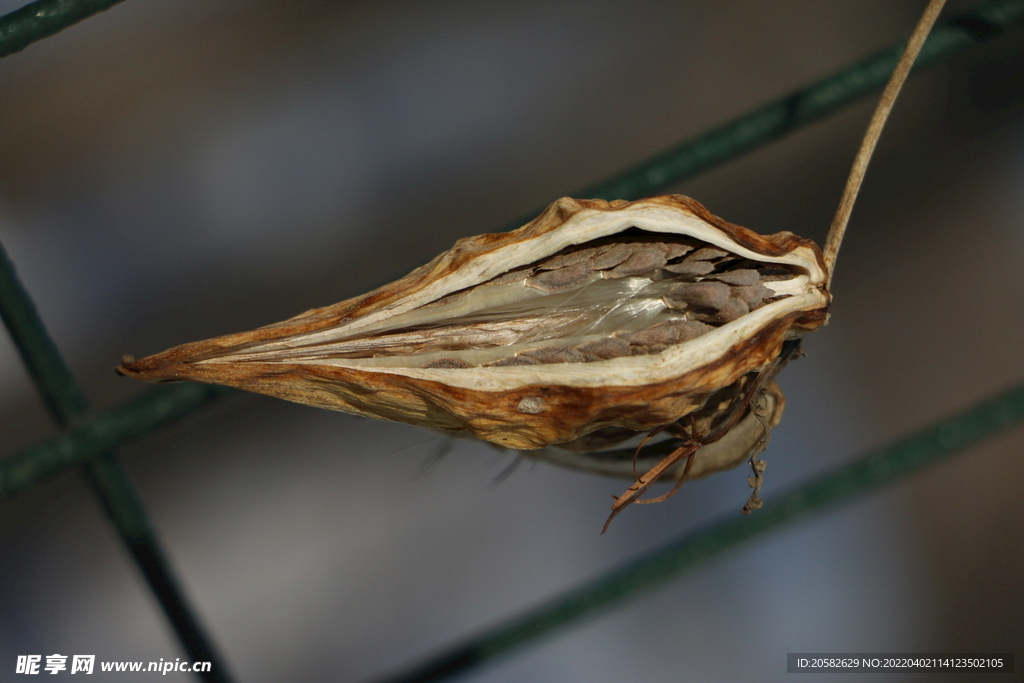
<point x="173" y="171"/>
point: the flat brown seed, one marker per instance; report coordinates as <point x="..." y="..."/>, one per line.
<point x="553" y="280"/>
<point x="707" y="254"/>
<point x="674" y="303"/>
<point x="652" y="336"/>
<point x="690" y="268"/>
<point x="689" y="329"/>
<point x="556" y="354"/>
<point x="644" y="259"/>
<point x="603" y="349"/>
<point x="676" y="250"/>
<point x="447" y="363"/>
<point x="512" y="276"/>
<point x="612" y="255"/>
<point x="740" y="276"/>
<point x="733" y="309"/>
<point x="703" y="294"/>
<point x="753" y="296"/>
<point x="667" y="333"/>
<point x="513" y="360"/>
<point x="570" y="259"/>
<point x="654" y="348"/>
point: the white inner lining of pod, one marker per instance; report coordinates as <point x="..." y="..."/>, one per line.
<point x="801" y="293"/>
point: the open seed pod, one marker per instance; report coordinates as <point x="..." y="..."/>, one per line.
<point x="594" y="315"/>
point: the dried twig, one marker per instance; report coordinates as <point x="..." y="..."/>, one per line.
<point x="867" y="146"/>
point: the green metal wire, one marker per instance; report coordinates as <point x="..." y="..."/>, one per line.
<point x="43" y="18"/>
<point x="883" y="466"/>
<point x="776" y="119"/>
<point x="101" y="432"/>
<point x="103" y="471"/>
<point x="64" y="398"/>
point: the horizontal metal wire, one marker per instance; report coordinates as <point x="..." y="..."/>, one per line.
<point x="43" y="18"/>
<point x="810" y="103"/>
<point x="102" y="431"/>
<point x="883" y="466"/>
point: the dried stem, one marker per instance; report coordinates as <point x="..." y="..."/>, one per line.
<point x="867" y="147"/>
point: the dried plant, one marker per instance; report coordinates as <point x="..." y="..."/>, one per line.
<point x="637" y="339"/>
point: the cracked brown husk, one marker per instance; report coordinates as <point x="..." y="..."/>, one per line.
<point x="635" y="339"/>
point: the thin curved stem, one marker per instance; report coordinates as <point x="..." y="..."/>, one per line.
<point x="867" y="146"/>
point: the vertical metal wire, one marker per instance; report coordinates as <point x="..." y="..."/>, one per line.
<point x="65" y="400"/>
<point x="67" y="404"/>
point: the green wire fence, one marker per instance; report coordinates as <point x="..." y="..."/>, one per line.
<point x="68" y="406"/>
<point x="89" y="439"/>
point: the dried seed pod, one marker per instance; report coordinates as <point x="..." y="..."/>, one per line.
<point x="368" y="355"/>
<point x="453" y="345"/>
